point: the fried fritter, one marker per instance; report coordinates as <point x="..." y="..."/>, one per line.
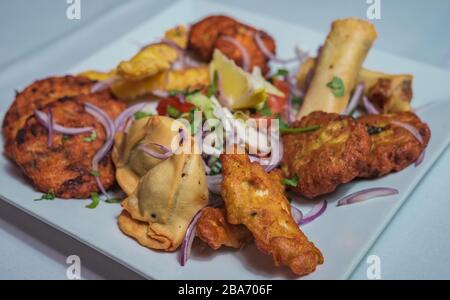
<point x="393" y="147"/>
<point x="37" y="95"/>
<point x="214" y="230"/>
<point x="245" y="35"/>
<point x="253" y="200"/>
<point x="325" y="158"/>
<point x="203" y="35"/>
<point x="209" y="33"/>
<point x="65" y="167"/>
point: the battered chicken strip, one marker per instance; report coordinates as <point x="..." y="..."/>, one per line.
<point x="253" y="200"/>
<point x="213" y="228"/>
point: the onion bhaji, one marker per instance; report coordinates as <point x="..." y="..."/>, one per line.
<point x="327" y="157"/>
<point x="251" y="199"/>
<point x="65" y="168"/>
<point x="209" y="33"/>
<point x="37" y="95"/>
<point x="393" y="147"/>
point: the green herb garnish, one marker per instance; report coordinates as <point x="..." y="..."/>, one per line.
<point x="113" y="200"/>
<point x="296" y="101"/>
<point x="141" y="114"/>
<point x="65" y="138"/>
<point x="284" y="127"/>
<point x="91" y="138"/>
<point x="95" y="201"/>
<point x="291" y="182"/>
<point x="281" y="73"/>
<point x="299" y="130"/>
<point x="337" y="86"/>
<point x="173" y="112"/>
<point x="50" y="195"/>
<point x="212" y="88"/>
<point x="95" y="173"/>
<point x="266" y="111"/>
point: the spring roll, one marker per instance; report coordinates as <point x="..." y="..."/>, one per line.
<point x="338" y="66"/>
<point x="389" y="92"/>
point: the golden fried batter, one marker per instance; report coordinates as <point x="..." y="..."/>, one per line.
<point x="203" y="35"/>
<point x="214" y="230"/>
<point x="209" y="33"/>
<point x="393" y="147"/>
<point x="65" y="168"/>
<point x="325" y="158"/>
<point x="253" y="200"/>
<point x="245" y="35"/>
<point x="37" y="95"/>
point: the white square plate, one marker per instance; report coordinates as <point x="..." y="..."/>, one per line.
<point x="343" y="234"/>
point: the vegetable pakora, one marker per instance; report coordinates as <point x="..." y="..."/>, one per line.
<point x="65" y="167"/>
<point x="327" y="157"/>
<point x="37" y="95"/>
<point x="393" y="147"/>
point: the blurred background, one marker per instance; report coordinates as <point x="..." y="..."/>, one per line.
<point x="415" y="29"/>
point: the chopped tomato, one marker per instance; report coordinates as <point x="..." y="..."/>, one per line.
<point x="174" y="102"/>
<point x="278" y="104"/>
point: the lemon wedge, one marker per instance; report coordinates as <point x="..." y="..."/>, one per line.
<point x="239" y="89"/>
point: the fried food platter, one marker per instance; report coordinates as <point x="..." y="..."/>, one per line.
<point x="343" y="234"/>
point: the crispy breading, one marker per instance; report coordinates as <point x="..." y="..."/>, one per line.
<point x="325" y="158"/>
<point x="253" y="200"/>
<point x="149" y="61"/>
<point x="65" y="167"/>
<point x="187" y="79"/>
<point x="209" y="33"/>
<point x="179" y="35"/>
<point x="393" y="148"/>
<point x="203" y="35"/>
<point x="213" y="229"/>
<point x="245" y="35"/>
<point x="37" y="95"/>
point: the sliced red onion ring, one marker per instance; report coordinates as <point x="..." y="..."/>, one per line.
<point x="108" y="124"/>
<point x="271" y="162"/>
<point x="293" y="89"/>
<point x="121" y="120"/>
<point x="356" y="98"/>
<point x="413" y="130"/>
<point x="165" y="155"/>
<point x="214" y="183"/>
<point x="261" y="45"/>
<point x="186" y="246"/>
<point x="104" y="84"/>
<point x="44" y="120"/>
<point x="366" y="195"/>
<point x="314" y="213"/>
<point x="370" y="108"/>
<point x="50" y="127"/>
<point x="419" y="161"/>
<point x="242" y="49"/>
<point x="297" y="214"/>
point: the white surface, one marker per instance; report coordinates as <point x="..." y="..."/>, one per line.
<point x="420" y="227"/>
